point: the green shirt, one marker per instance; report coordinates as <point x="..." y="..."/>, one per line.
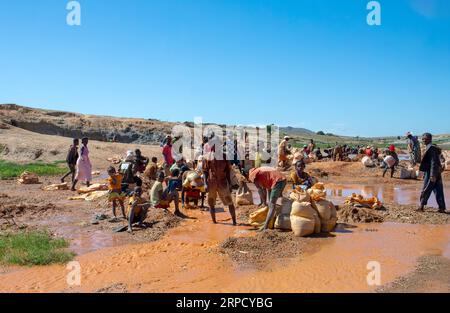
<point x="156" y="192"/>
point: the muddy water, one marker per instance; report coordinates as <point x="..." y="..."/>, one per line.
<point x="403" y="195"/>
<point x="187" y="260"/>
<point x="341" y="264"/>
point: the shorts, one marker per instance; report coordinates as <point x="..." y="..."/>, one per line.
<point x="277" y="191"/>
<point x="223" y="191"/>
<point x="113" y="196"/>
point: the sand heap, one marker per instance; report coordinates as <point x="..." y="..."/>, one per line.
<point x="358" y="209"/>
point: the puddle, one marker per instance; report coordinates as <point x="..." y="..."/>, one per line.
<point x="341" y="264"/>
<point x="186" y="261"/>
<point x="402" y="195"/>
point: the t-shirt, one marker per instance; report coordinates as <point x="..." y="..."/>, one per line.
<point x="167" y="152"/>
<point x="267" y="177"/>
<point x="155" y="193"/>
<point x="131" y="200"/>
<point x="303" y="179"/>
<point x="115" y="182"/>
<point x="150" y="172"/>
<point x="173" y="184"/>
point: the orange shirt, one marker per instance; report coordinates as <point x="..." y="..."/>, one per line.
<point x="266" y="177"/>
<point x="115" y="182"/>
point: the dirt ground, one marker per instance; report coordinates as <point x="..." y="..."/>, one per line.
<point x="196" y="253"/>
<point x="432" y="274"/>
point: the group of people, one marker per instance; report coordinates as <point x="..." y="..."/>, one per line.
<point x="212" y="178"/>
<point x="78" y="162"/>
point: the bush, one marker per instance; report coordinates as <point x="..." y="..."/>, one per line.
<point x="320" y="133"/>
<point x="33" y="248"/>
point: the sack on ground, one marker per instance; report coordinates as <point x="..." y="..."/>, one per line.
<point x="286" y="206"/>
<point x="28" y="178"/>
<point x="327" y="213"/>
<point x="367" y="161"/>
<point x="283" y="222"/>
<point x="299" y="195"/>
<point x="54" y="187"/>
<point x="407" y="173"/>
<point x="244" y="196"/>
<point x="303" y="219"/>
<point x="93" y="187"/>
<point x="258" y="218"/>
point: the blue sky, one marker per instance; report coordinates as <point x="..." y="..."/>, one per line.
<point x="306" y="63"/>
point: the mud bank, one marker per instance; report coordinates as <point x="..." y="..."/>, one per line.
<point x="432" y="274"/>
<point x="264" y="247"/>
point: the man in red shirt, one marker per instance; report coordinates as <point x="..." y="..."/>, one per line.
<point x="167" y="154"/>
<point x="268" y="180"/>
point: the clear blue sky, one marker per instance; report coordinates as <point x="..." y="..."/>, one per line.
<point x="306" y="63"/>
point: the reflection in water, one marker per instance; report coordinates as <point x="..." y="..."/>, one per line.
<point x="403" y="195"/>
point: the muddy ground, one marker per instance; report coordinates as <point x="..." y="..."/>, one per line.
<point x="73" y="219"/>
<point x="432" y="274"/>
<point x="200" y="252"/>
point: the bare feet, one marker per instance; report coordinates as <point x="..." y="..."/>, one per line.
<point x="420" y="209"/>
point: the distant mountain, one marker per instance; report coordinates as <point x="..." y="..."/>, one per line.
<point x="296" y="131"/>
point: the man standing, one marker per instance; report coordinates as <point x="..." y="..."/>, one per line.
<point x="71" y="159"/>
<point x="268" y="180"/>
<point x="283" y="151"/>
<point x="218" y="180"/>
<point x="413" y="149"/>
<point x="167" y="154"/>
<point x="432" y="167"/>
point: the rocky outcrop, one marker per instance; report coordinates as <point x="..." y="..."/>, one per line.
<point x="101" y="128"/>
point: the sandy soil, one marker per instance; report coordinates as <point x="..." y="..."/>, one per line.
<point x="432" y="274"/>
<point x="192" y="255"/>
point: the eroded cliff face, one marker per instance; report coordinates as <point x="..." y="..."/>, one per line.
<point x="74" y="125"/>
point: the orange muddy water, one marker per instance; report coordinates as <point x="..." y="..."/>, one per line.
<point x="187" y="260"/>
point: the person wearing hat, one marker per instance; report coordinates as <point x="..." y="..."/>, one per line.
<point x="283" y="152"/>
<point x="390" y="152"/>
<point x="413" y="144"/>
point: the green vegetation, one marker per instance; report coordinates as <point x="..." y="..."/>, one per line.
<point x="10" y="170"/>
<point x="33" y="248"/>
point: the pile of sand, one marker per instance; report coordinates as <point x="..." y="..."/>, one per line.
<point x="355" y="214"/>
<point x="259" y="250"/>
